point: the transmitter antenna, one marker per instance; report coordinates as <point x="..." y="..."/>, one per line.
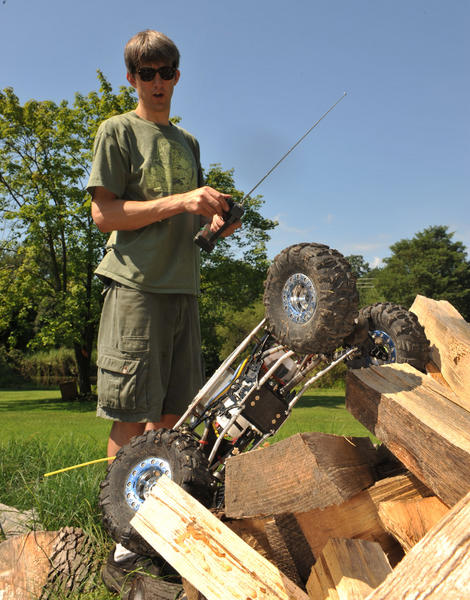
<point x="292" y="148"/>
<point x="206" y="239"/>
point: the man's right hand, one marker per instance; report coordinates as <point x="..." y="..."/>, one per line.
<point x="205" y="201"/>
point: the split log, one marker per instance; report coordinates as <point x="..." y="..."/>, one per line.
<point x="433" y="370"/>
<point x="282" y="558"/>
<point x="205" y="551"/>
<point x="358" y="517"/>
<point x="24" y="564"/>
<point x="264" y="536"/>
<point x="438" y="566"/>
<point x="449" y="335"/>
<point x="190" y="591"/>
<point x="305" y="471"/>
<point x="409" y="520"/>
<point x="347" y="570"/>
<point x="414" y="417"/>
<point x="287" y="532"/>
<point x="400" y="487"/>
<point x="252" y="531"/>
<point x="17" y="522"/>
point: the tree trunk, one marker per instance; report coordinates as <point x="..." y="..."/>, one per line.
<point x="83" y="367"/>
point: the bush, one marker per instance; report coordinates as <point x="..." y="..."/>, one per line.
<point x="332" y="379"/>
<point x="46" y="368"/>
<point x="10" y="373"/>
<point x="49" y="367"/>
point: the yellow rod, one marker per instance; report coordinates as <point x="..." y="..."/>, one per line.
<point x="90" y="462"/>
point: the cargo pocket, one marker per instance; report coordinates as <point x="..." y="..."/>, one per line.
<point x="122" y="382"/>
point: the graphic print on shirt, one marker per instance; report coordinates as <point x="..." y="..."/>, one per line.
<point x="172" y="171"/>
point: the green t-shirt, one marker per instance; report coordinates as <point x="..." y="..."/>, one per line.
<point x="137" y="159"/>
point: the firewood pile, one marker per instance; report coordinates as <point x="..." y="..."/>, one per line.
<point x="321" y="516"/>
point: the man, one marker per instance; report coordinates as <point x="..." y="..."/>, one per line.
<point x="147" y="190"/>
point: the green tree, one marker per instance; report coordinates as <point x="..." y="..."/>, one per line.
<point x="430" y="264"/>
<point x="45" y="154"/>
<point x="232" y="331"/>
<point x="359" y="266"/>
<point x="366" y="284"/>
<point x="50" y="296"/>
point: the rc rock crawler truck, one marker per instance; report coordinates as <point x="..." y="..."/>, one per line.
<point x="312" y="323"/>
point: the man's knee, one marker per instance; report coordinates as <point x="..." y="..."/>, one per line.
<point x="122" y="432"/>
<point x="166" y="422"/>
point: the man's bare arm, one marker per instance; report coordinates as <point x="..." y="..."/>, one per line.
<point x="112" y="214"/>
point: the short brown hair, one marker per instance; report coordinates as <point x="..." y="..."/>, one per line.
<point x="150" y="46"/>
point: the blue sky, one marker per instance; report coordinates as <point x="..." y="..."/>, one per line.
<point x="390" y="160"/>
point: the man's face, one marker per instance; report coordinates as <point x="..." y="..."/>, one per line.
<point x="154" y="95"/>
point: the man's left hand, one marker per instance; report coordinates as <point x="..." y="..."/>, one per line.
<point x="217" y="222"/>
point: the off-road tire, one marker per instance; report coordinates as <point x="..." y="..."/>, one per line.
<point x="402" y="330"/>
<point x="188" y="466"/>
<point x="327" y="298"/>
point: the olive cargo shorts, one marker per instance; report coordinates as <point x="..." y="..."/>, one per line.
<point x="149" y="354"/>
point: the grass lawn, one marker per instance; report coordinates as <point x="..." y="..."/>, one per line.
<point x="42" y="414"/>
<point x="47" y="433"/>
<point x="322" y="410"/>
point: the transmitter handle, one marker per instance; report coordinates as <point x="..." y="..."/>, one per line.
<point x="206" y="238"/>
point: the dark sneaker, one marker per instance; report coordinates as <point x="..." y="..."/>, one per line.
<point x="119" y="575"/>
<point x="145" y="587"/>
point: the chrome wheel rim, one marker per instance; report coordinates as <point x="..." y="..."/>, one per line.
<point x="299" y="298"/>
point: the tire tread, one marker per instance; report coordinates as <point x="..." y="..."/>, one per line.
<point x="337" y="298"/>
<point x="192" y="475"/>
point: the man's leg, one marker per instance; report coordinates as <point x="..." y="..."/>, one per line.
<point x="121" y="434"/>
<point x="166" y="422"/>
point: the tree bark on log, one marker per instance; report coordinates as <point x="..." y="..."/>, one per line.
<point x="46" y="564"/>
<point x="414" y="417"/>
<point x="71" y="564"/>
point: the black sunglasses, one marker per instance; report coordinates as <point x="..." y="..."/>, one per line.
<point x="148" y="73"/>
